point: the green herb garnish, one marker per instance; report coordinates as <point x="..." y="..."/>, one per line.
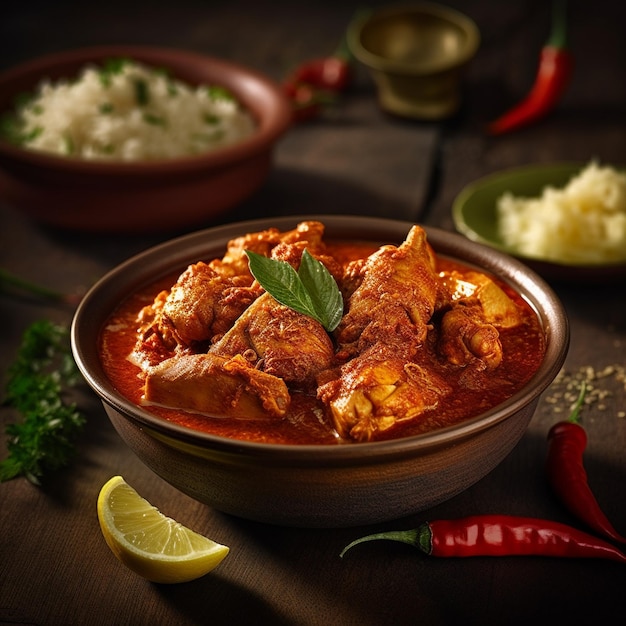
<point x="311" y="290"/>
<point x="142" y="92"/>
<point x="110" y="68"/>
<point x="37" y="379"/>
<point x="31" y="135"/>
<point x="69" y="145"/>
<point x="12" y="130"/>
<point x="219" y="93"/>
<point x="25" y="99"/>
<point x="210" y="119"/>
<point x="154" y="120"/>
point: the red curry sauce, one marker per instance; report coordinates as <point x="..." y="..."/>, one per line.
<point x="306" y="423"/>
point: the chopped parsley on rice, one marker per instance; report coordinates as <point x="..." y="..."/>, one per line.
<point x="127" y="111"/>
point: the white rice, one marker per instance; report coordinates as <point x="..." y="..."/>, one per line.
<point x="583" y="223"/>
<point x="91" y="118"/>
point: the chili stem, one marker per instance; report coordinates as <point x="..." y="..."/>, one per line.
<point x="574" y="416"/>
<point x="417" y="537"/>
<point x="558" y="34"/>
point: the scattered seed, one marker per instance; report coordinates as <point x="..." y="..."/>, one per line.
<point x="602" y="384"/>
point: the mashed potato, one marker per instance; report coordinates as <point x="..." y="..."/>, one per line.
<point x="583" y="223"/>
<point x="126" y="111"/>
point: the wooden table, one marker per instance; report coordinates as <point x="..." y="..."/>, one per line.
<point x="54" y="565"/>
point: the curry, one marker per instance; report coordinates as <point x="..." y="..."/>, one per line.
<point x="423" y="342"/>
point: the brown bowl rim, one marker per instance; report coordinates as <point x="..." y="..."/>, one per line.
<point x="87" y="322"/>
<point x="270" y="127"/>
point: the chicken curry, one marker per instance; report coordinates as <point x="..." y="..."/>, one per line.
<point x="423" y="342"/>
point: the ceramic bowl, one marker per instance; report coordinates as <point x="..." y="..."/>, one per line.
<point x="140" y="197"/>
<point x="416" y="54"/>
<point x="474" y="212"/>
<point x="318" y="485"/>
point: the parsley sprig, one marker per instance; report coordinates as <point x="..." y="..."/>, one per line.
<point x="311" y="290"/>
<point x="36" y="385"/>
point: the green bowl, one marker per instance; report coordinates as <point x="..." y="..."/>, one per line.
<point x="475" y="216"/>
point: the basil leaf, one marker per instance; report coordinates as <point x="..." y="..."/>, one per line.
<point x="282" y="282"/>
<point x="312" y="291"/>
<point x="322" y="288"/>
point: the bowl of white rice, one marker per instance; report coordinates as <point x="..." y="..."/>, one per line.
<point x="135" y="139"/>
<point x="566" y="220"/>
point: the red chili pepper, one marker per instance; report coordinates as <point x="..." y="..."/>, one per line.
<point x="317" y="82"/>
<point x="330" y="73"/>
<point x="566" y="473"/>
<point x="553" y="77"/>
<point x="307" y="102"/>
<point x="500" y="535"/>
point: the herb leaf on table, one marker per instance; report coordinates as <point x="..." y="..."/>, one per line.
<point x="36" y="386"/>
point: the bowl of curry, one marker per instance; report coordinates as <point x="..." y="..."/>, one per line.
<point x="320" y="371"/>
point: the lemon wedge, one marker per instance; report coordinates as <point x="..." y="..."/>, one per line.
<point x="149" y="543"/>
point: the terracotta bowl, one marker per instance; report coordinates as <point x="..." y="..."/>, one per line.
<point x="141" y="197"/>
<point x="416" y="54"/>
<point x="318" y="485"/>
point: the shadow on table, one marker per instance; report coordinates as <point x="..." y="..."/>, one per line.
<point x="211" y="600"/>
<point x="301" y="192"/>
<point x="287" y="192"/>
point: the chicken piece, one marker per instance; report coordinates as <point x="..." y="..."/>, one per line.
<point x="352" y="277"/>
<point x="216" y="385"/>
<point x="466" y="337"/>
<point x="279" y="341"/>
<point x="253" y="347"/>
<point x="307" y="236"/>
<point x="310" y="230"/>
<point x="203" y="303"/>
<point x="308" y="233"/>
<point x="246" y="372"/>
<point x="472" y="287"/>
<point x="496" y="306"/>
<point x="389" y="315"/>
<point x="151" y="347"/>
<point x="208" y="297"/>
<point x="292" y="253"/>
<point x="261" y="242"/>
<point x="396" y="299"/>
<point x="378" y="390"/>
